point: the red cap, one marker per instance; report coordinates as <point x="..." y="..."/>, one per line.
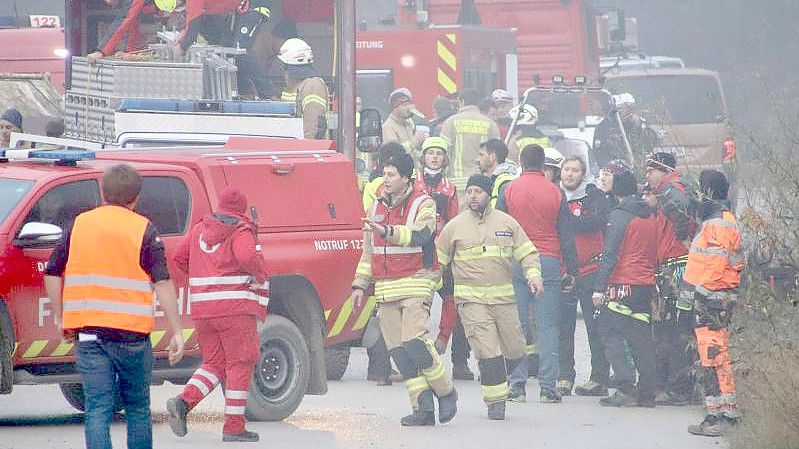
<point x="232" y="200"/>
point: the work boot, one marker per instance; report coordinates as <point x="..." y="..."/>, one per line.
<point x="666" y="398"/>
<point x="712" y="426"/>
<point x="177" y="409"/>
<point x="425" y="415"/>
<point x="532" y="365"/>
<point x="447" y="407"/>
<point x="518" y="392"/>
<point x="549" y="397"/>
<point x="496" y="411"/>
<point x="564" y="387"/>
<point x="243" y="437"/>
<point x="591" y="388"/>
<point x="461" y="371"/>
<point x="619" y="399"/>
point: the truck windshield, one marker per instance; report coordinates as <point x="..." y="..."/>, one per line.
<point x="11" y="191"/>
<point x="567" y="109"/>
<point x="673" y="99"/>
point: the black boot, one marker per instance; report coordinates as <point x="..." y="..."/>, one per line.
<point x="178" y="409"/>
<point x="425" y="415"/>
<point x="496" y="411"/>
<point x="243" y="437"/>
<point x="447" y="407"/>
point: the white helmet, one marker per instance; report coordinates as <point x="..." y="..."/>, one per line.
<point x="528" y="116"/>
<point x="295" y="52"/>
<point x="553" y="157"/>
<point x="623" y="99"/>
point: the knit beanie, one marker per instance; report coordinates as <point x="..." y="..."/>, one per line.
<point x="482" y="181"/>
<point x="232" y="201"/>
<point x="624" y="184"/>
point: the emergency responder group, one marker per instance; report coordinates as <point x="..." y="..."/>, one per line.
<point x="654" y="269"/>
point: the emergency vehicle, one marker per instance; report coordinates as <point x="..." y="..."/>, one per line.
<point x="434" y="62"/>
<point x="555" y="37"/>
<point x="306" y="248"/>
<point x="312" y="324"/>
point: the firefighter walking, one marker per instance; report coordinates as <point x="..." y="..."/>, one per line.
<point x="480" y="245"/>
<point x="399" y="259"/>
<point x="714" y="271"/>
<point x="228" y="293"/>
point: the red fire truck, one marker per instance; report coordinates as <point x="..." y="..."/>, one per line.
<point x="555" y="37"/>
<point x="433" y="62"/>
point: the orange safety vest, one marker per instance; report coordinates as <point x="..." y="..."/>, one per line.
<point x="714" y="260"/>
<point x="395" y="261"/>
<point x="104" y="284"/>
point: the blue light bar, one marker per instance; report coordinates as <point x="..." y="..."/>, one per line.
<point x="62" y="155"/>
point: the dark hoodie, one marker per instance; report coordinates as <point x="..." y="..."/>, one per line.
<point x="629" y="255"/>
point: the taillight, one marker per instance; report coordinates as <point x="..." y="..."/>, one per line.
<point x="728" y="150"/>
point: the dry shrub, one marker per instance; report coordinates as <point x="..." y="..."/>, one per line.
<point x="766" y="326"/>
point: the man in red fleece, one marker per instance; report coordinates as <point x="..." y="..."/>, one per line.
<point x="228" y="293"/>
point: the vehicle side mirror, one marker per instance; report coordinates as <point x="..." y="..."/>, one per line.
<point x="35" y="234"/>
<point x="370" y="132"/>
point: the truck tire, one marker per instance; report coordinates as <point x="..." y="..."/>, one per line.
<point x="6" y="348"/>
<point x="282" y="372"/>
<point x="73" y="393"/>
<point x="336" y="360"/>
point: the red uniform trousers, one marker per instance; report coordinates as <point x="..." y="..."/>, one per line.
<point x="230" y="348"/>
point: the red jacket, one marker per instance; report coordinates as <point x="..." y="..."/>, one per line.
<point x="125" y="24"/>
<point x="394" y="261"/>
<point x="444" y="194"/>
<point x="590" y="207"/>
<point x="674" y="217"/>
<point x="540" y="207"/>
<point x="629" y="255"/>
<point x="227" y="274"/>
<point x="197" y="8"/>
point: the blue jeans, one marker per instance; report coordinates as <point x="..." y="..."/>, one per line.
<point x="105" y="368"/>
<point x="547" y="316"/>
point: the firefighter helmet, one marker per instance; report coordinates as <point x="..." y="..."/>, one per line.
<point x="436" y="142"/>
<point x="166" y="5"/>
<point x="553" y="157"/>
<point x="295" y="52"/>
<point x="528" y="116"/>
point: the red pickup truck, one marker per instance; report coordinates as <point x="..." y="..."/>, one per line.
<point x="309" y="224"/>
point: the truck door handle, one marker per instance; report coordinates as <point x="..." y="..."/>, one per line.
<point x="283" y="169"/>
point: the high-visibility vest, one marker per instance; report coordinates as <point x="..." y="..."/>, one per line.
<point x="711" y="266"/>
<point x="391" y="261"/>
<point x="104" y="283"/>
<point x="500" y="179"/>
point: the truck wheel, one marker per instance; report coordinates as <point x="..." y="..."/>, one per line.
<point x="6" y="348"/>
<point x="73" y="393"/>
<point x="336" y="360"/>
<point x="282" y="372"/>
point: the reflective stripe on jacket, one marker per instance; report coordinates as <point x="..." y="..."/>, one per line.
<point x="104" y="283"/>
<point x="227" y="273"/>
<point x="398" y="259"/>
<point x="466" y="130"/>
<point x="312" y="104"/>
<point x="444" y="192"/>
<point x="715" y="260"/>
<point x="481" y="249"/>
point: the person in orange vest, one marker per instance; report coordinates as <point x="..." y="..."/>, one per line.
<point x="228" y="291"/>
<point x="100" y="279"/>
<point x="399" y="259"/>
<point x="714" y="269"/>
